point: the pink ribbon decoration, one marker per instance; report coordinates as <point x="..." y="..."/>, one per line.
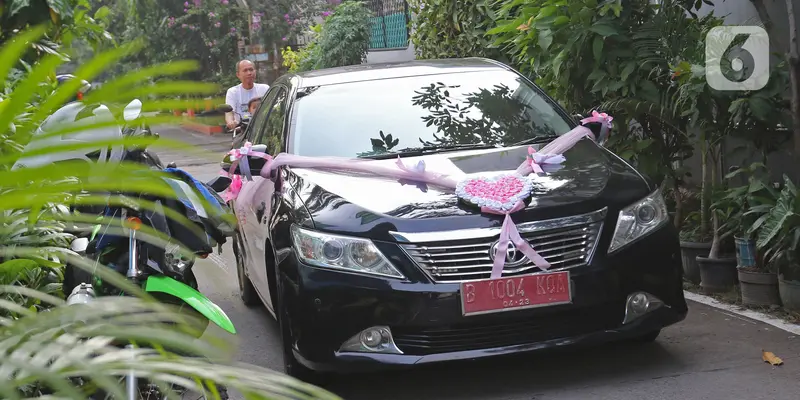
<point x="551" y="154"/>
<point x="509" y="233"/>
<point x="239" y="158"/>
<point x="605" y="124"/>
<point x="602" y="118"/>
<point x="558" y="146"/>
<point x="538" y="159"/>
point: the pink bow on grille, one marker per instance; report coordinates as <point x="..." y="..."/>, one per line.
<point x="538" y="159"/>
<point x="509" y="233"/>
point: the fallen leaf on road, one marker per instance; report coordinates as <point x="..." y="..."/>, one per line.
<point x="771" y="358"/>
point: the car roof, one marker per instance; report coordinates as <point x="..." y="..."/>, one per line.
<point x="368" y="72"/>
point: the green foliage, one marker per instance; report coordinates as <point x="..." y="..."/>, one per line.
<point x="281" y="20"/>
<point x="207" y="32"/>
<point x="344" y="38"/>
<point x="453" y="28"/>
<point x="64" y="21"/>
<point x="307" y="58"/>
<point x="778" y="231"/>
<point x="72" y="352"/>
<point x="616" y="56"/>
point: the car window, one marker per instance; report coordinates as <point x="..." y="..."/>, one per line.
<point x="272" y="134"/>
<point x="256" y="124"/>
<point x="368" y="118"/>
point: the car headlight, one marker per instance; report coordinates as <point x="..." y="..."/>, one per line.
<point x="639" y="219"/>
<point x="342" y="253"/>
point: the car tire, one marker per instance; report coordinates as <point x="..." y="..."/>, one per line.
<point x="247" y="292"/>
<point x="648" y="337"/>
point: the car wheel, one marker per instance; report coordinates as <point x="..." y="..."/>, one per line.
<point x="648" y="337"/>
<point x="246" y="290"/>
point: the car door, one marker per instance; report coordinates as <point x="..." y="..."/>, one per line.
<point x="242" y="203"/>
<point x="260" y="190"/>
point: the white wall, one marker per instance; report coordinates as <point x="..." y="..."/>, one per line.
<point x="390" y="56"/>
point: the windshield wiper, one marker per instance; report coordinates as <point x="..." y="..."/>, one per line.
<point x="534" y="140"/>
<point x="419" y="151"/>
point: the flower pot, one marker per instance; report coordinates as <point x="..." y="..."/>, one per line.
<point x="789" y="293"/>
<point x="745" y="252"/>
<point x="689" y="253"/>
<point x="759" y="288"/>
<point x="717" y="274"/>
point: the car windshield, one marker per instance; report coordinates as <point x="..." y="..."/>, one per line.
<point x="383" y="118"/>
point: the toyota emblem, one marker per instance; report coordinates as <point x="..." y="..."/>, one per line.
<point x="513" y="257"/>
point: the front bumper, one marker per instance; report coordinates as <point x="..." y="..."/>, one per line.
<point x="326" y="308"/>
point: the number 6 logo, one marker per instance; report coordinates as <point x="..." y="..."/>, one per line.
<point x="735" y="65"/>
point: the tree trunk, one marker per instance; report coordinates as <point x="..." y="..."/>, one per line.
<point x="704" y="191"/>
<point x="716" y="242"/>
<point x="763" y="15"/>
<point x="794" y="76"/>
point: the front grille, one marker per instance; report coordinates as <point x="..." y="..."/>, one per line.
<point x="474" y="336"/>
<point x="565" y="243"/>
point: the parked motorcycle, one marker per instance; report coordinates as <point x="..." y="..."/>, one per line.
<point x="160" y="270"/>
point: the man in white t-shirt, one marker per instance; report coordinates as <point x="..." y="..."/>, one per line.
<point x="239" y="95"/>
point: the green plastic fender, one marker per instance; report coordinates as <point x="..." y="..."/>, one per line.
<point x="201" y="303"/>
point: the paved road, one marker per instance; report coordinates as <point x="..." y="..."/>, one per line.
<point x="711" y="355"/>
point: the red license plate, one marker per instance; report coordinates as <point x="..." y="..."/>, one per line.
<point x="515" y="293"/>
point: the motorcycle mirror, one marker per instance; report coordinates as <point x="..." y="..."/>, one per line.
<point x="224" y="108"/>
<point x="133" y="110"/>
<point x="79" y="245"/>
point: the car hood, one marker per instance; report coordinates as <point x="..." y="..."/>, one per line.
<point x="590" y="179"/>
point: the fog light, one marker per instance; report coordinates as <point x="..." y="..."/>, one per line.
<point x="639" y="304"/>
<point x="371" y="338"/>
<point x="376" y="339"/>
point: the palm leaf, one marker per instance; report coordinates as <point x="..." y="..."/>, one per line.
<point x="50" y="349"/>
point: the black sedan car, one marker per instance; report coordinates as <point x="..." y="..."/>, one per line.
<point x="363" y="271"/>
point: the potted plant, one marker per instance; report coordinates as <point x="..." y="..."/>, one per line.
<point x="741" y="207"/>
<point x="708" y="112"/>
<point x="693" y="243"/>
<point x="779" y="238"/>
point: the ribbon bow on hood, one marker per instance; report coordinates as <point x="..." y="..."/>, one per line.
<point x="605" y="125"/>
<point x="538" y="159"/>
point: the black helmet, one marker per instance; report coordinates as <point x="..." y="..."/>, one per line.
<point x="85" y="87"/>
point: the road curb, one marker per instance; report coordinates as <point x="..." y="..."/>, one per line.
<point x="754" y="315"/>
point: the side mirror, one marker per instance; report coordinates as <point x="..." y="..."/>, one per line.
<point x="219" y="183"/>
<point x="254" y="163"/>
<point x="226" y="108"/>
<point x="132" y="111"/>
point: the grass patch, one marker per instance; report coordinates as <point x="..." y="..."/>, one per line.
<point x="734" y="298"/>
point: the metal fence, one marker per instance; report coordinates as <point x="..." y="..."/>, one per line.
<point x="389" y="24"/>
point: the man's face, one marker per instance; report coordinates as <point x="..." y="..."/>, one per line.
<point x="247" y="72"/>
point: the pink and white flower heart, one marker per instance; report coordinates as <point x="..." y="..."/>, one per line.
<point x="500" y="193"/>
